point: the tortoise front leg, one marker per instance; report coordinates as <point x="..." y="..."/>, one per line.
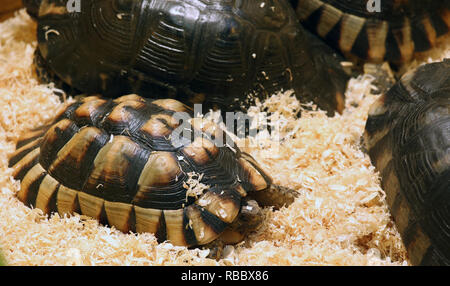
<point x="276" y="196"/>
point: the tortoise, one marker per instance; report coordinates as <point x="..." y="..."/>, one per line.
<point x="394" y="31"/>
<point x="220" y="53"/>
<point x="407" y="138"/>
<point x="126" y="163"/>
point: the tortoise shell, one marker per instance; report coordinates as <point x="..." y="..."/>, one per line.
<point x="408" y="139"/>
<point x="124" y="162"/>
<point x="223" y="53"/>
<point x="394" y="34"/>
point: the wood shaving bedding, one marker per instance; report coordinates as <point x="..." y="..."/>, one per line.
<point x="340" y="218"/>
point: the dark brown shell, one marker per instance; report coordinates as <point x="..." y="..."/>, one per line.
<point x="121" y="162"/>
<point x="394" y="34"/>
<point x="221" y="53"/>
<point x="408" y="139"/>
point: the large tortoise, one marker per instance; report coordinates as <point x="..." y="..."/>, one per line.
<point x="126" y="163"/>
<point x="407" y="136"/>
<point x="217" y="52"/>
<point x="377" y="30"/>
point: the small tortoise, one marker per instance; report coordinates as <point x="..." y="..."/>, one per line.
<point x="124" y="162"/>
<point x="221" y="53"/>
<point x="408" y="139"/>
<point x="392" y="32"/>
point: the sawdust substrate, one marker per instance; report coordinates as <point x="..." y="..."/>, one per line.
<point x="340" y="217"/>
